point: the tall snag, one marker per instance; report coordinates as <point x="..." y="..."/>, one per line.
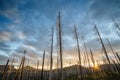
<point x="92" y="58"/>
<point x="116" y="26"/>
<point x="118" y="56"/>
<point x="5" y="70"/>
<point x="112" y="51"/>
<point x="60" y="45"/>
<point x="79" y="55"/>
<point x="21" y="74"/>
<point x="42" y="65"/>
<point x="103" y="46"/>
<point x="37" y="71"/>
<point x="51" y="58"/>
<point x="18" y="71"/>
<point x="10" y="70"/>
<point x="86" y="53"/>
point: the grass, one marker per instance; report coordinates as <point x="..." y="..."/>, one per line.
<point x="111" y="76"/>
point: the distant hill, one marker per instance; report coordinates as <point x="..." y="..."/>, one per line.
<point x="9" y="67"/>
<point x="28" y="68"/>
<point x="69" y="69"/>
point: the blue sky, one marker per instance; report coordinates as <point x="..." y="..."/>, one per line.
<point x="26" y="24"/>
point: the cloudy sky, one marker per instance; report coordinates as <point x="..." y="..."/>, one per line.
<point x="26" y="25"/>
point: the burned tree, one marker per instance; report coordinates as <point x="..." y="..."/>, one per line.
<point x="103" y="46"/>
<point x="79" y="54"/>
<point x="59" y="34"/>
<point x="51" y="58"/>
<point x="42" y="65"/>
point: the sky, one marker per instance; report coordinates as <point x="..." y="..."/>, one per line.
<point x="26" y="25"/>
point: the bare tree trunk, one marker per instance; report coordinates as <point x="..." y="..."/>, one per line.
<point x="118" y="56"/>
<point x="79" y="55"/>
<point x="105" y="52"/>
<point x="92" y="58"/>
<point x="113" y="51"/>
<point x="88" y="61"/>
<point x="18" y="71"/>
<point x="116" y="25"/>
<point x="5" y="70"/>
<point x="60" y="46"/>
<point x="22" y="69"/>
<point x="51" y="58"/>
<point x="37" y="71"/>
<point x="42" y="65"/>
<point x="10" y="71"/>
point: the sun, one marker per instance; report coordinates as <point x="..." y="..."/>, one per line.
<point x="96" y="67"/>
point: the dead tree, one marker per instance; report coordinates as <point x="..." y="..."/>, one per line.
<point x="5" y="70"/>
<point x="51" y="58"/>
<point x="86" y="53"/>
<point x="19" y="73"/>
<point x="92" y="58"/>
<point x="10" y="71"/>
<point x="60" y="45"/>
<point x="103" y="46"/>
<point x="118" y="56"/>
<point x="78" y="48"/>
<point x="22" y="69"/>
<point x="116" y="67"/>
<point x="112" y="51"/>
<point x="42" y="65"/>
<point x="37" y="71"/>
<point x="117" y="27"/>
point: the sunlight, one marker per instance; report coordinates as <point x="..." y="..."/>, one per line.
<point x="96" y="67"/>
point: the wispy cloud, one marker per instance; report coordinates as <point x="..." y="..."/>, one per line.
<point x="5" y="36"/>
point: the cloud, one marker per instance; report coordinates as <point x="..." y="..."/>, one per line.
<point x="31" y="51"/>
<point x="105" y="9"/>
<point x="5" y="36"/>
<point x="21" y="35"/>
<point x="4" y="46"/>
<point x="3" y="59"/>
<point x="11" y="14"/>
